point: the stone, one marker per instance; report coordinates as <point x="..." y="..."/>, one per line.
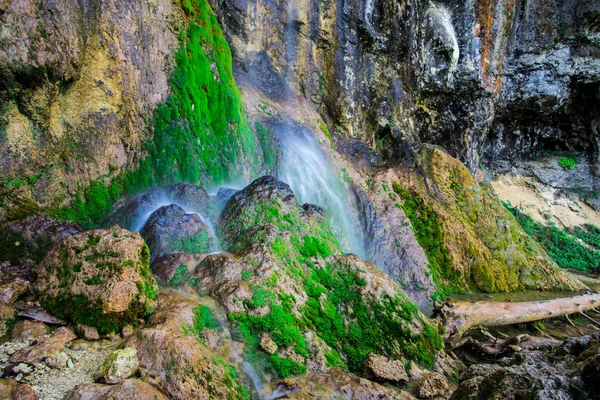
<point x="26" y="331"/>
<point x="10" y="389"/>
<point x="130" y="389"/>
<point x="127" y="331"/>
<point x="183" y="367"/>
<point x="37" y="313"/>
<point x="432" y="384"/>
<point x="382" y="369"/>
<point x="11" y="291"/>
<point x="175" y="269"/>
<point x="45" y="347"/>
<point x="99" y="278"/>
<point x="267" y="344"/>
<point x="120" y="365"/>
<point x="211" y="339"/>
<point x="58" y="360"/>
<point x="87" y="332"/>
<point x="171" y="230"/>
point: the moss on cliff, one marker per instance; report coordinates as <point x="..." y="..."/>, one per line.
<point x="201" y="134"/>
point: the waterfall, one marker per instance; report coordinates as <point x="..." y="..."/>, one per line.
<point x="305" y="168"/>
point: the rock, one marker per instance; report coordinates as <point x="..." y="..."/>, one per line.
<point x="87" y="332"/>
<point x="127" y="331"/>
<point x="133" y="215"/>
<point x="211" y="339"/>
<point x="432" y="384"/>
<point x="120" y="365"/>
<point x="38" y="314"/>
<point x="26" y="242"/>
<point x="7" y="317"/>
<point x="10" y="389"/>
<point x="99" y="278"/>
<point x="26" y="331"/>
<point x="171" y="230"/>
<point x="183" y="367"/>
<point x="267" y="344"/>
<point x="58" y="360"/>
<point x="175" y="269"/>
<point x="382" y="369"/>
<point x="10" y="292"/>
<point x="17" y="369"/>
<point x="45" y="347"/>
<point x="130" y="389"/>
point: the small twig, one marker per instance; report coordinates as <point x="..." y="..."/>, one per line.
<point x="593" y="321"/>
<point x="573" y="325"/>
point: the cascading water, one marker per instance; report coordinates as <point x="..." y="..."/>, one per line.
<point x="304" y="167"/>
<point x="303" y="164"/>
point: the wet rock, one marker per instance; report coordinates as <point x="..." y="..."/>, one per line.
<point x="120" y="365"/>
<point x="99" y="278"/>
<point x="58" y="360"/>
<point x="16" y="369"/>
<point x="10" y="389"/>
<point x="211" y="339"/>
<point x="26" y="331"/>
<point x="224" y="194"/>
<point x="134" y="214"/>
<point x="267" y="344"/>
<point x="175" y="269"/>
<point x="336" y="383"/>
<point x="171" y="230"/>
<point x="382" y="369"/>
<point x="45" y="347"/>
<point x="87" y="332"/>
<point x="432" y="384"/>
<point x="183" y="367"/>
<point x="37" y="313"/>
<point x="10" y="292"/>
<point x="129" y="389"/>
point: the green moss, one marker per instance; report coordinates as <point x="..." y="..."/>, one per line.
<point x="179" y="276"/>
<point x="247" y="274"/>
<point x="325" y="130"/>
<point x="201" y="134"/>
<point x="265" y="137"/>
<point x="568" y="162"/>
<point x="562" y="246"/>
<point x="203" y="318"/>
<point x="428" y="229"/>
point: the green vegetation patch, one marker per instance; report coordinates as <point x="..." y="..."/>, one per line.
<point x="201" y="134"/>
<point x="428" y="229"/>
<point x="564" y="247"/>
<point x="568" y="162"/>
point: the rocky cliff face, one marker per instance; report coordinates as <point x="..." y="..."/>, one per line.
<point x="491" y="81"/>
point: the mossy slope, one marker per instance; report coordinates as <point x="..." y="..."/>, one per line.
<point x="471" y="241"/>
<point x="292" y="283"/>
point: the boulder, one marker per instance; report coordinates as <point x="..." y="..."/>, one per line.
<point x="118" y="366"/>
<point x="130" y="389"/>
<point x="58" y="360"/>
<point x="25" y="242"/>
<point x="44" y="348"/>
<point x="382" y="369"/>
<point x="26" y="331"/>
<point x="87" y="332"/>
<point x="99" y="278"/>
<point x="175" y="269"/>
<point x="10" y="389"/>
<point x="11" y="291"/>
<point x="134" y="213"/>
<point x="432" y="384"/>
<point x="184" y="367"/>
<point x="171" y="230"/>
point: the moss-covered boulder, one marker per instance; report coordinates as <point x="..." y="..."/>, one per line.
<point x="171" y="230"/>
<point x="288" y="279"/>
<point x="170" y="353"/>
<point x="471" y="241"/>
<point x="99" y="278"/>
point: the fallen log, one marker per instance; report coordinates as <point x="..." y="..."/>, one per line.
<point x="460" y="316"/>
